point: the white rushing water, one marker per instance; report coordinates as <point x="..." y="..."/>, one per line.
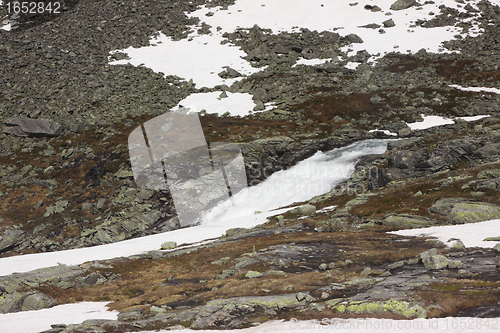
<point x="313" y="176"/>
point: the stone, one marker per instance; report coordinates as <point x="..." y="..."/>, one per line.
<point x="12" y="302"/>
<point x="376" y="99"/>
<point x="253" y="275"/>
<point x="38" y="301"/>
<point x="130" y="315"/>
<point x="457" y="245"/>
<point x="433" y="260"/>
<point x="32" y="127"/>
<point x="366" y="271"/>
<point x="466" y="212"/>
<point x="491" y="173"/>
<point x="464" y="274"/>
<point x="407" y="220"/>
<point x="76" y="127"/>
<point x="221" y="261"/>
<point x="389" y="23"/>
<point x="236" y="231"/>
<point x="404" y="132"/>
<point x="395" y="265"/>
<point x="87" y="206"/>
<point x="353" y="38"/>
<point x="403" y="4"/>
<point x="497" y="247"/>
<point x="323" y="267"/>
<point x="157" y="311"/>
<point x="455" y="264"/>
<point x="11" y="238"/>
<point x="100" y="203"/>
<point x="304" y="210"/>
<point x="168" y="245"/>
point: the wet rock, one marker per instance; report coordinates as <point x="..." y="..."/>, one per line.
<point x="31" y="127"/>
<point x="433" y="260"/>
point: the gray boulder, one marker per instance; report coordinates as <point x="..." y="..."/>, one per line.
<point x="12" y="302"/>
<point x="407" y="220"/>
<point x="304" y="210"/>
<point x="433" y="260"/>
<point x="11" y="238"/>
<point x="38" y="301"/>
<point x="389" y="23"/>
<point x="31" y="127"/>
<point x="403" y="4"/>
<point x="466" y="212"/>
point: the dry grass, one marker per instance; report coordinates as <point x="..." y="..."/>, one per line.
<point x="455" y="295"/>
<point x="175" y="281"/>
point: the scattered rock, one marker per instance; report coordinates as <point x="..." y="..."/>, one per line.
<point x="31" y="127"/>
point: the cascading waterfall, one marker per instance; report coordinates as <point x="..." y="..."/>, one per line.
<point x="313" y="176"/>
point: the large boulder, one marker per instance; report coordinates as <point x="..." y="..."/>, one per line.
<point x="31" y="127"/>
<point x="38" y="301"/>
<point x="433" y="260"/>
<point x="11" y="238"/>
<point x="466" y="212"/>
<point x="460" y="211"/>
<point x="407" y="220"/>
<point x="403" y="4"/>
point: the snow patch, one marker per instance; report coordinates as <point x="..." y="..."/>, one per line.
<point x="476" y="89"/>
<point x="237" y="104"/>
<point x="429" y="121"/>
<point x="471" y="234"/>
<point x="40" y="320"/>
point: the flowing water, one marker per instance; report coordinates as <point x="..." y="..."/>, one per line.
<point x="313" y="176"/>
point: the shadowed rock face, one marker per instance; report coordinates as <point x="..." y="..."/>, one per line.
<point x="31" y="127"/>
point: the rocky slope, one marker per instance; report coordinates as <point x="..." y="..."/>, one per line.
<point x="75" y="188"/>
